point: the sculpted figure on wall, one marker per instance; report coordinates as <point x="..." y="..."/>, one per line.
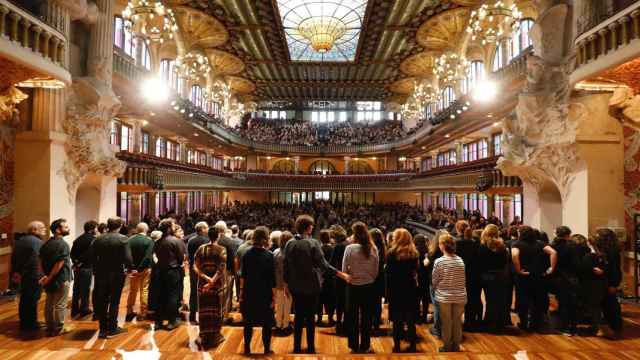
<point x="9" y="99"/>
<point x="540" y="137"/>
<point x="624" y="105"/>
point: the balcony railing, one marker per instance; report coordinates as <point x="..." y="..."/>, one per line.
<point x="30" y="32"/>
<point x="607" y="30"/>
<point x="126" y="67"/>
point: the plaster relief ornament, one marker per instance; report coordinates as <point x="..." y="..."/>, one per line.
<point x="9" y="99"/>
<point x="540" y="137"/>
<point x="624" y="105"/>
<point x="90" y="109"/>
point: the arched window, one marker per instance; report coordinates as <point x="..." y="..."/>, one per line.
<point x="196" y="95"/>
<point x="284" y="166"/>
<point x="475" y="74"/>
<point x="448" y="97"/>
<point x="145" y="60"/>
<point x="360" y="167"/>
<point x="521" y="38"/>
<point x="324" y="167"/>
<point x="122" y="37"/>
<point x="169" y="73"/>
<point x="502" y="54"/>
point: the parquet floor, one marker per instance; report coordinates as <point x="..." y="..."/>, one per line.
<point x="141" y="342"/>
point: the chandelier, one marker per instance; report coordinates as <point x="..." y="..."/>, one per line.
<point x="193" y="67"/>
<point x="218" y="92"/>
<point x="490" y="22"/>
<point x="151" y="21"/>
<point x="424" y="93"/>
<point x="450" y="68"/>
<point x="412" y="109"/>
<point x="322" y="32"/>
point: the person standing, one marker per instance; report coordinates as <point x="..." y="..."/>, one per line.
<point x="379" y="285"/>
<point x="111" y="258"/>
<point x="340" y="237"/>
<point x="201" y="238"/>
<point x="142" y="254"/>
<point x="170" y="254"/>
<point x="257" y="290"/>
<point x="231" y="247"/>
<point x="467" y="249"/>
<point x="237" y="241"/>
<point x="55" y="256"/>
<point x="402" y="281"/>
<point x="361" y="264"/>
<point x="209" y="271"/>
<point x="593" y="270"/>
<point x="423" y="279"/>
<point x="449" y="284"/>
<point x="25" y="270"/>
<point x="283" y="297"/>
<point x="304" y="267"/>
<point x="433" y="254"/>
<point x="607" y="242"/>
<point x="327" y="294"/>
<point x="493" y="260"/>
<point x="82" y="270"/>
<point x="566" y="281"/>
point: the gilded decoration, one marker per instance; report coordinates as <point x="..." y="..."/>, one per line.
<point x="403" y="86"/>
<point x="625" y="106"/>
<point x="240" y="85"/>
<point x="224" y="63"/>
<point x="13" y="73"/>
<point x="9" y="99"/>
<point x="420" y="64"/>
<point x="444" y="31"/>
<point x="540" y="137"/>
<point x="198" y="29"/>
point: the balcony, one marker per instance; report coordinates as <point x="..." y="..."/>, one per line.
<point x="609" y="36"/>
<point x="29" y="42"/>
<point x="510" y="77"/>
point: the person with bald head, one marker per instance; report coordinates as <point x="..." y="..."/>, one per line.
<point x="141" y="247"/>
<point x="26" y="271"/>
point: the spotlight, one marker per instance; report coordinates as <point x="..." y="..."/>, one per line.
<point x="452" y="116"/>
<point x="173" y="102"/>
<point x="465" y="108"/>
<point x="447" y="136"/>
<point x="190" y="114"/>
<point x="154" y="90"/>
<point x="176" y="107"/>
<point x="459" y="111"/>
<point x="182" y="111"/>
<point x="485" y="91"/>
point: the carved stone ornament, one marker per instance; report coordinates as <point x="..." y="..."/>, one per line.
<point x="624" y="105"/>
<point x="90" y="108"/>
<point x="540" y="137"/>
<point x="9" y="99"/>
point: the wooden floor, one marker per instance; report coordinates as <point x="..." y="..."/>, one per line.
<point x="141" y="342"/>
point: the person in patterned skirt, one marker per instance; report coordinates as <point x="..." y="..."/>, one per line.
<point x="210" y="267"/>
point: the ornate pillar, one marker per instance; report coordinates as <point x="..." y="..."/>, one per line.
<point x="460" y="204"/>
<point x="136" y="207"/>
<point x="49" y="112"/>
<point x="490" y="205"/>
<point x="182" y="202"/>
<point x="100" y="58"/>
<point x="296" y="164"/>
<point x="458" y="145"/>
<point x="507" y="208"/>
<point x="346" y="165"/>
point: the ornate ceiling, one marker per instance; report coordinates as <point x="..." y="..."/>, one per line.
<point x="398" y="41"/>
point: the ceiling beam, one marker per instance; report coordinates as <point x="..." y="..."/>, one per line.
<point x="323" y="84"/>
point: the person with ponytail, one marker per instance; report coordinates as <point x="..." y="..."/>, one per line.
<point x="361" y="264"/>
<point x="493" y="260"/>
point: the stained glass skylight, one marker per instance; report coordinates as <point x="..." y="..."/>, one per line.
<point x="348" y="15"/>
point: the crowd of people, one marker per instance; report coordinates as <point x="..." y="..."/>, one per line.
<point x="306" y="133"/>
<point x="270" y="264"/>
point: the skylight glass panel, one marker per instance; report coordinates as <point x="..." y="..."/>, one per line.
<point x="322" y="30"/>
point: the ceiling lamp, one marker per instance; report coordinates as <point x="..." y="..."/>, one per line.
<point x="218" y="92"/>
<point x="412" y="110"/>
<point x="424" y="93"/>
<point x="149" y="20"/>
<point x="193" y="67"/>
<point x="322" y="32"/>
<point x="450" y="68"/>
<point x="490" y="22"/>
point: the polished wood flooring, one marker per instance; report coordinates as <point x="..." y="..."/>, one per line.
<point x="141" y="342"/>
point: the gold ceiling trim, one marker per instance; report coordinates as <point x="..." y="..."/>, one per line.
<point x="198" y="29"/>
<point x="240" y="85"/>
<point x="468" y="2"/>
<point x="224" y="63"/>
<point x="420" y="65"/>
<point x="445" y="30"/>
<point x="403" y="86"/>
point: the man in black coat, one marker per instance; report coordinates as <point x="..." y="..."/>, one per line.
<point x="26" y="271"/>
<point x="170" y="253"/>
<point x="111" y="258"/>
<point x="82" y="269"/>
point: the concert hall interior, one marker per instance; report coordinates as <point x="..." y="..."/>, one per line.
<point x="331" y="179"/>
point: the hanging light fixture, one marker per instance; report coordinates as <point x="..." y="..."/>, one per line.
<point x="193" y="67"/>
<point x="149" y="20"/>
<point x="322" y="32"/>
<point x="450" y="68"/>
<point x="490" y="22"/>
<point x="218" y="92"/>
<point x="424" y="93"/>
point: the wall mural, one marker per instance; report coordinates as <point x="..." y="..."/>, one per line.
<point x="7" y="148"/>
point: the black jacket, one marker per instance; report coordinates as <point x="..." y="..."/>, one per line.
<point x="111" y="253"/>
<point x="81" y="250"/>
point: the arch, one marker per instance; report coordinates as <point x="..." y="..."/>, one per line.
<point x="283" y="166"/>
<point x="87" y="204"/>
<point x="360" y="167"/>
<point x="323" y="166"/>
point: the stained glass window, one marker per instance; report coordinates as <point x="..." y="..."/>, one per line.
<point x="347" y="14"/>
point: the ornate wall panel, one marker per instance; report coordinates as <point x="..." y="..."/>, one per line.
<point x="444" y="30"/>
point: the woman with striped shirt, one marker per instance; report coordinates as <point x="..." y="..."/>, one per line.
<point x="448" y="281"/>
